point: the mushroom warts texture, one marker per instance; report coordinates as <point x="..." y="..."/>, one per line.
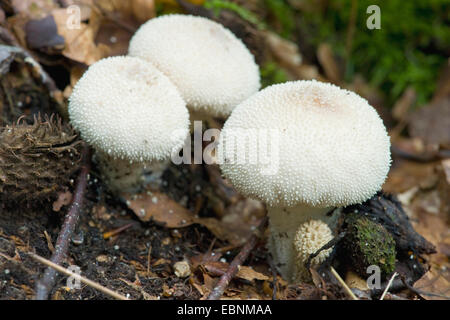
<point x="132" y="115"/>
<point x="332" y="150"/>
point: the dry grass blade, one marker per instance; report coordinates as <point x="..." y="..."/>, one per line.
<point x="344" y="285"/>
<point x="388" y="285"/>
<point x="86" y="281"/>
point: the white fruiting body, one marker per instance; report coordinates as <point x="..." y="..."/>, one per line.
<point x="309" y="238"/>
<point x="332" y="150"/>
<point x="213" y="69"/>
<point x="131" y="114"/>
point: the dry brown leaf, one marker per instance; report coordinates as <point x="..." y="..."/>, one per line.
<point x="158" y="207"/>
<point x="328" y="62"/>
<point x="42" y="34"/>
<point x="238" y="222"/>
<point x="249" y="274"/>
<point x="285" y="51"/>
<point x="443" y="85"/>
<point x="79" y="42"/>
<point x="221" y="230"/>
<point x="431" y="123"/>
<point x="217" y="268"/>
<point x="403" y="104"/>
<point x="204" y="258"/>
<point x="34" y="9"/>
<point x="408" y="175"/>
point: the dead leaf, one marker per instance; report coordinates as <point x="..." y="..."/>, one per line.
<point x="34" y="9"/>
<point x="403" y="104"/>
<point x="43" y="35"/>
<point x="443" y="85"/>
<point x="431" y="123"/>
<point x="218" y="268"/>
<point x="221" y="230"/>
<point x="285" y="51"/>
<point x="249" y="274"/>
<point x="409" y="175"/>
<point x="238" y="222"/>
<point x="158" y="207"/>
<point x="328" y="62"/>
<point x="79" y="40"/>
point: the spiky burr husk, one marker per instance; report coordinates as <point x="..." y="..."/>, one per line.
<point x="36" y="161"/>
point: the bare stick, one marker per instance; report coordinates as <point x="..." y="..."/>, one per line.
<point x="69" y="273"/>
<point x="225" y="279"/>
<point x="343" y="284"/>
<point x="388" y="285"/>
<point x="45" y="285"/>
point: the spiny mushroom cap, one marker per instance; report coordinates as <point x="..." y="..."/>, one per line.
<point x="333" y="149"/>
<point x="309" y="238"/>
<point x="213" y="69"/>
<point x="125" y="107"/>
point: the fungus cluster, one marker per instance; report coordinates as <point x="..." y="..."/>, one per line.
<point x="132" y="109"/>
<point x="131" y="114"/>
<point x="213" y="70"/>
<point x="332" y="147"/>
<point x="333" y="150"/>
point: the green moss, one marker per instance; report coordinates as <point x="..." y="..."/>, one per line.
<point x="284" y="15"/>
<point x="218" y="5"/>
<point x="271" y="73"/>
<point x="369" y="243"/>
<point x="408" y="50"/>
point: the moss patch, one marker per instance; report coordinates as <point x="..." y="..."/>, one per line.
<point x="369" y="243"/>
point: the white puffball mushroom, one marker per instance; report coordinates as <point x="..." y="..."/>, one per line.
<point x="318" y="147"/>
<point x="309" y="238"/>
<point x="133" y="116"/>
<point x="211" y="67"/>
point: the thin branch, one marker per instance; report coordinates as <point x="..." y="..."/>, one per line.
<point x="225" y="279"/>
<point x="86" y="281"/>
<point x="388" y="285"/>
<point x="410" y="288"/>
<point x="45" y="285"/>
<point x="343" y="284"/>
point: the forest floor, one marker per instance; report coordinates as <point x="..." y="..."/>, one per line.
<point x="195" y="217"/>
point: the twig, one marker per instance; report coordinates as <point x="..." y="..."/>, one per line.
<point x="423" y="158"/>
<point x="343" y="284"/>
<point x="388" y="285"/>
<point x="45" y="285"/>
<point x="410" y="288"/>
<point x="69" y="273"/>
<point x="225" y="279"/>
<point x="326" y="246"/>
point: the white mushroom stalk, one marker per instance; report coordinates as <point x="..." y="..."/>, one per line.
<point x="132" y="115"/>
<point x="332" y="150"/>
<point x="211" y="67"/>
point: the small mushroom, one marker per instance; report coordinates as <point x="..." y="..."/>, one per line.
<point x="309" y="238"/>
<point x="332" y="150"/>
<point x="213" y="69"/>
<point x="132" y="115"/>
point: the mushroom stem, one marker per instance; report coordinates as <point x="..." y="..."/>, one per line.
<point x="283" y="224"/>
<point x="123" y="175"/>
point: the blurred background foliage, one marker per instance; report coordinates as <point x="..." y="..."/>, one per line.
<point x="408" y="51"/>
